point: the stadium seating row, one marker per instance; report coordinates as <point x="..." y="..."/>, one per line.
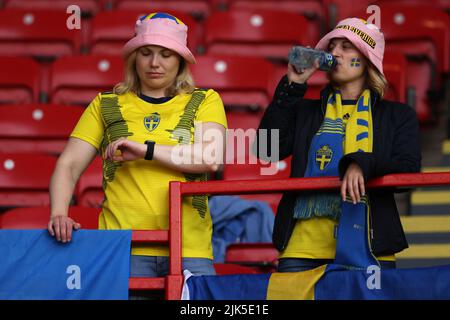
<point x="317" y="12"/>
<point x="241" y="81"/>
<point x="334" y="9"/>
<point x="25" y="32"/>
<point x="244" y="32"/>
<point x="37" y="217"/>
<point x="410" y="30"/>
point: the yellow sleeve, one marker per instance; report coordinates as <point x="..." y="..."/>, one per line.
<point x="90" y="127"/>
<point x="212" y="109"/>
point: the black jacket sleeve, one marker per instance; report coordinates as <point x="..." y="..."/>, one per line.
<point x="406" y="153"/>
<point x="280" y="115"/>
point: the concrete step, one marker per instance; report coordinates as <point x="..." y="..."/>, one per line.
<point x="429" y="241"/>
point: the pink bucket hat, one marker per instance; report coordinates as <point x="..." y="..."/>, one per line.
<point x="163" y="30"/>
<point x="365" y="36"/>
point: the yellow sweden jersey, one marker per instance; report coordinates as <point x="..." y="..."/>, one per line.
<point x="136" y="192"/>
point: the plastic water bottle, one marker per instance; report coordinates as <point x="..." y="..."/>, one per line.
<point x="303" y="58"/>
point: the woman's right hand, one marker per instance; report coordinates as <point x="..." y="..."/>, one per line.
<point x="301" y="76"/>
<point x="61" y="227"/>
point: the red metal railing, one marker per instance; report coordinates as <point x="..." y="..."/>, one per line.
<point x="174" y="281"/>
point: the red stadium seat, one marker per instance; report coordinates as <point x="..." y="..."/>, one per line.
<point x="341" y="9"/>
<point x="418" y="30"/>
<point x="422" y="33"/>
<point x="272" y="199"/>
<point x="38" y="217"/>
<point x="42" y="33"/>
<point x="261" y="33"/>
<point x="312" y="10"/>
<point x="250" y="171"/>
<point x="240" y="159"/>
<point x="197" y="8"/>
<point x="111" y="30"/>
<point x="76" y="80"/>
<point x="89" y="190"/>
<point x="394" y="67"/>
<point x="254" y="169"/>
<point x="90" y="7"/>
<point x="19" y="80"/>
<point x="419" y="84"/>
<point x="241" y="132"/>
<point x="261" y="255"/>
<point x="408" y="27"/>
<point x="336" y="10"/>
<point x="25" y="179"/>
<point x="228" y="268"/>
<point x="241" y="81"/>
<point x="242" y="128"/>
<point x="243" y="120"/>
<point x="36" y="128"/>
<point x="443" y="5"/>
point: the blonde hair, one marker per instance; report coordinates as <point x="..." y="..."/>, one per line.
<point x="183" y="82"/>
<point x="375" y="80"/>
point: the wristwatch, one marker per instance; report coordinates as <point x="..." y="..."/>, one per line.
<point x="150" y="148"/>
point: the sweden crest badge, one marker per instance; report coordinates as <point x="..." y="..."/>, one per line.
<point x="323" y="157"/>
<point x="151" y="122"/>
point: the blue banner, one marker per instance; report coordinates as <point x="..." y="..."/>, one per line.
<point x="355" y="274"/>
<point x="227" y="287"/>
<point x="94" y="265"/>
<point x="431" y="283"/>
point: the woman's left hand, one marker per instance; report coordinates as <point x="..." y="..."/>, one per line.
<point x="129" y="150"/>
<point x="353" y="182"/>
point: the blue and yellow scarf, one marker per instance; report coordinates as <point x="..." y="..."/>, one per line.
<point x="329" y="145"/>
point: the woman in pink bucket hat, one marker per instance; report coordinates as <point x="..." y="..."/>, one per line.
<point x="153" y="128"/>
<point x="351" y="132"/>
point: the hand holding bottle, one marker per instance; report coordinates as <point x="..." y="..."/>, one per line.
<point x="304" y="61"/>
<point x="302" y="75"/>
